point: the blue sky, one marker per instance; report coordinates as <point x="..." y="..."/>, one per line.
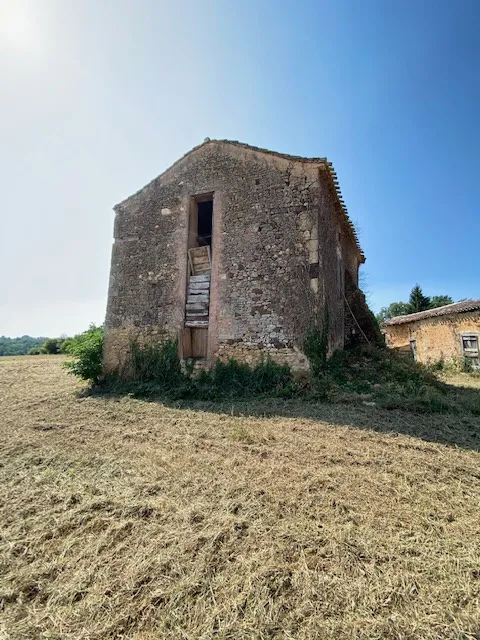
<point x="99" y="97"/>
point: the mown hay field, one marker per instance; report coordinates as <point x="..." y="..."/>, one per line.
<point x="123" y="518"/>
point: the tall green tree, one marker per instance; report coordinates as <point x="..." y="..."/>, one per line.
<point x="417" y="301"/>
<point x="440" y="301"/>
<point x="393" y="310"/>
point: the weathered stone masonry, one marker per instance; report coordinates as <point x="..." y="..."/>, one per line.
<point x="448" y="333"/>
<point x="281" y="246"/>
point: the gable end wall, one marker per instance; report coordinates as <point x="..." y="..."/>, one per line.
<point x="269" y="214"/>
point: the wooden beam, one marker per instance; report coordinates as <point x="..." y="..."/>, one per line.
<point x="200" y="278"/>
<point x="196" y="323"/>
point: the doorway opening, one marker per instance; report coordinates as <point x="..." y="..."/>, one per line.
<point x="201" y="221"/>
<point x="205" y="223"/>
<point x="194" y="335"/>
<point x="413" y="347"/>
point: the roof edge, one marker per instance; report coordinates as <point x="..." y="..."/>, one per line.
<point x="316" y="160"/>
<point x="234" y="143"/>
<point x="465" y="306"/>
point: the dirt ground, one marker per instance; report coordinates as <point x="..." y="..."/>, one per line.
<point x="122" y="518"/>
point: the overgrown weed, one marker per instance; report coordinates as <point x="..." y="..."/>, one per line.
<point x="365" y="374"/>
<point x="156" y="370"/>
<point x="454" y="365"/>
<point x="373" y="374"/>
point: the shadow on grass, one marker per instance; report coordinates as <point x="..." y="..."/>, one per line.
<point x="455" y="427"/>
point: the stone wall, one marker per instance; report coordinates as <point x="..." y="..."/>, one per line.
<point x="436" y="338"/>
<point x="278" y="255"/>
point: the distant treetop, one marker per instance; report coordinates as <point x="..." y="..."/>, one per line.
<point x="417" y="302"/>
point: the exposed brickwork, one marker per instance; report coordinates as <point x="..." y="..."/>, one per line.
<point x="280" y="247"/>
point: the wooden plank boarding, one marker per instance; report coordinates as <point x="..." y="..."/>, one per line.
<point x="198" y="297"/>
<point x="196" y="313"/>
<point x="199" y="342"/>
<point x="205" y="277"/>
<point x="198" y="286"/>
<point x="199" y="260"/>
<point x="185" y="343"/>
<point x="196" y="323"/>
<point x="198" y="301"/>
<point x="190" y="266"/>
<point x="200" y="305"/>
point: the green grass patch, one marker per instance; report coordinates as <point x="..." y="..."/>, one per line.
<point x="155" y="370"/>
<point x="370" y="375"/>
<point x="376" y="375"/>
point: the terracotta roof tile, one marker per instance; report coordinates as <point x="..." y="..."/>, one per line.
<point x="331" y="173"/>
<point x="457" y="307"/>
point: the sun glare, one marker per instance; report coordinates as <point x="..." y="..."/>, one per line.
<point x="17" y="28"/>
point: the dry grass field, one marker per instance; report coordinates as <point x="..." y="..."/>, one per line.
<point x="122" y="518"/>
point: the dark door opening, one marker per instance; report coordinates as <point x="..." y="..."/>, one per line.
<point x="204" y="223"/>
<point x="413" y="346"/>
<point x="194" y="335"/>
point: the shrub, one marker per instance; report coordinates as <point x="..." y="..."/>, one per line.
<point x="51" y="346"/>
<point x="438" y="365"/>
<point x="87" y="351"/>
<point x="269" y="376"/>
<point x="363" y="374"/>
<point x="64" y="345"/>
<point x="421" y="398"/>
<point x="233" y="379"/>
<point x="467" y="365"/>
<point x="156" y="369"/>
<point x="34" y="351"/>
<point x="369" y="373"/>
<point x="157" y="364"/>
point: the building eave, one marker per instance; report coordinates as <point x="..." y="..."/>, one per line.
<point x="457" y="308"/>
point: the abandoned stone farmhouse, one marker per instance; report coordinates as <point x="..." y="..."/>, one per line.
<point x="447" y="333"/>
<point x="235" y="251"/>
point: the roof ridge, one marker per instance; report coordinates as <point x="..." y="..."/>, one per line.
<point x="328" y="166"/>
<point x="464" y="306"/>
<point x="245" y="145"/>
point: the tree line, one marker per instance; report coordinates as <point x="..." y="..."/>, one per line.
<point x="28" y="345"/>
<point x="19" y="346"/>
<point x="416" y="302"/>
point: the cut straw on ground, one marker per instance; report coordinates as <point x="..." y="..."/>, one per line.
<point x="123" y="518"/>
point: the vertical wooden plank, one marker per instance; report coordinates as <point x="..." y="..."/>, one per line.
<point x="193" y="224"/>
<point x="185" y="343"/>
<point x="192" y="273"/>
<point x="199" y="343"/>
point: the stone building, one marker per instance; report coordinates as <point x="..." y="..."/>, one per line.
<point x="447" y="333"/>
<point x="235" y="251"/>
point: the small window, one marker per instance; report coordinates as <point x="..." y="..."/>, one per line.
<point x="470" y="345"/>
